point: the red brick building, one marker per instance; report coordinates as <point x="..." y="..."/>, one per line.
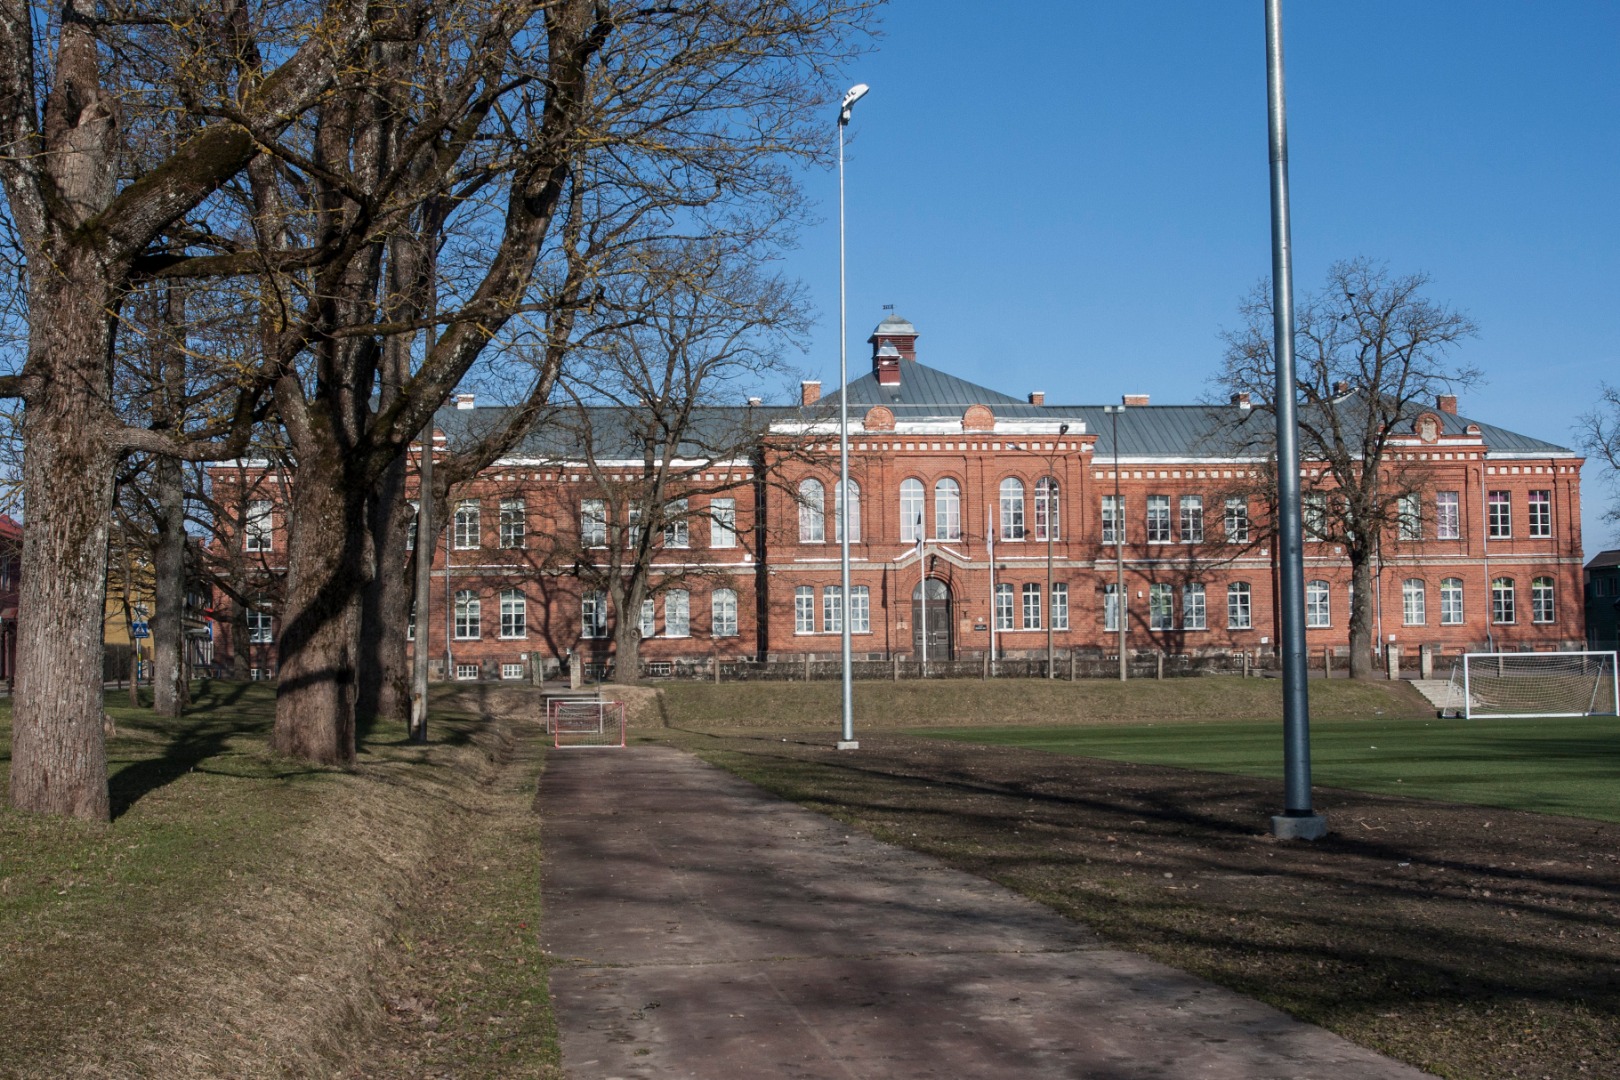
<point x="1009" y="507"/>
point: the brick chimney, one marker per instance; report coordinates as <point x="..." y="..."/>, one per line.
<point x="809" y="391"/>
<point x="1136" y="400"/>
<point x="886" y="362"/>
<point x="1446" y="403"/>
<point x="1241" y="400"/>
<point x="466" y="401"/>
<point x="1037" y="397"/>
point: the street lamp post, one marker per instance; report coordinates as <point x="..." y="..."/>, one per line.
<point x="847" y="742"/>
<point x="1113" y="412"/>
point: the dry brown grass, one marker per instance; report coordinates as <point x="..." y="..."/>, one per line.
<point x="232" y="920"/>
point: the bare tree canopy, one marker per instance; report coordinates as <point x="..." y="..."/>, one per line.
<point x="1371" y="351"/>
<point x="1598" y="432"/>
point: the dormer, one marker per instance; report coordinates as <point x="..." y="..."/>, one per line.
<point x="895" y="331"/>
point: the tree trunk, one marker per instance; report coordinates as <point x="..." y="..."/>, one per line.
<point x="329" y="559"/>
<point x="169" y="588"/>
<point x="1361" y="627"/>
<point x="627" y="644"/>
<point x="385" y="668"/>
<point x="58" y="749"/>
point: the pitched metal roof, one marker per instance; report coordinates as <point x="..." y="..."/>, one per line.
<point x="921" y="387"/>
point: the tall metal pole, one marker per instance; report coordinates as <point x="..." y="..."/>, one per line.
<point x="1298" y="820"/>
<point x="922" y="591"/>
<point x="847" y="742"/>
<point x="1113" y="412"/>
<point x="424" y="584"/>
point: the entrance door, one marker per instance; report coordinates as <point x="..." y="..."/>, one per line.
<point x="939" y="620"/>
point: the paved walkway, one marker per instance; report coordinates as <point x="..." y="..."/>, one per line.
<point x="709" y="930"/>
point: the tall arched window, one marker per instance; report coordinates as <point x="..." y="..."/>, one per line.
<point x="1318" y="604"/>
<point x="1541" y="598"/>
<point x="1047" y="523"/>
<point x="1012" y="509"/>
<point x="1414" y="602"/>
<point x="947" y="510"/>
<point x="812" y="512"/>
<point x="854" y="513"/>
<point x="911" y="511"/>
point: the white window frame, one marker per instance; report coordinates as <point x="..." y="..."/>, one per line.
<point x="261" y="624"/>
<point x="1318" y="605"/>
<point x="860" y="609"/>
<point x="1538" y="517"/>
<point x="1504" y="601"/>
<point x="723" y="613"/>
<point x="947" y="509"/>
<point x="593" y="610"/>
<point x="412" y="525"/>
<point x="1158" y="519"/>
<point x="677" y="613"/>
<point x="1409" y="517"/>
<point x="1030" y="607"/>
<point x="1060" y="605"/>
<point x="677" y="527"/>
<point x="812" y="512"/>
<point x="1011" y="495"/>
<point x="514" y="523"/>
<point x="1236" y="520"/>
<point x="912" y="508"/>
<point x="1192" y="519"/>
<point x="1194" y="607"/>
<point x="649" y="618"/>
<point x="1004" y="606"/>
<point x="469" y="615"/>
<point x="1543" y="599"/>
<point x="804" y="609"/>
<point x="1161" y="601"/>
<point x="593" y="523"/>
<point x="258" y="526"/>
<point x="723" y="523"/>
<point x="1048" y="509"/>
<point x="1239" y="606"/>
<point x="854" y="511"/>
<point x="1447" y="515"/>
<point x="514" y="614"/>
<point x="1451" y="602"/>
<point x="467" y="532"/>
<point x="1111" y="608"/>
<point x="1113" y="520"/>
<point x="832" y="609"/>
<point x="1499" y="515"/>
<point x="1414" y="602"/>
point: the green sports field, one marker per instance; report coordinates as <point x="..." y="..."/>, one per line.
<point x="1563" y="766"/>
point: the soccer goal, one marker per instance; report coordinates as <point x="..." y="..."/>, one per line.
<point x="585" y="723"/>
<point x="1533" y="684"/>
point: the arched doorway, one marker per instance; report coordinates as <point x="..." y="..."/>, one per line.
<point x="938" y="620"/>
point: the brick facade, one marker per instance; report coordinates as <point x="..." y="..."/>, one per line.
<point x="969" y="462"/>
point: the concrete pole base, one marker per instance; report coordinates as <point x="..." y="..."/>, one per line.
<point x="1298" y="826"/>
<point x="849" y="744"/>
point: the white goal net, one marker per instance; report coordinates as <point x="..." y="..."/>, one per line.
<point x="585" y="723"/>
<point x="1533" y="684"/>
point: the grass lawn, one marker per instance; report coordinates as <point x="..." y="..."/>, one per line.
<point x="1563" y="766"/>
<point x="246" y="916"/>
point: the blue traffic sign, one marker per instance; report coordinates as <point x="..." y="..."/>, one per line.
<point x="140" y="630"/>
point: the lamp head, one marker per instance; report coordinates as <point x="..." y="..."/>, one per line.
<point x="851" y="96"/>
<point x="1063" y="429"/>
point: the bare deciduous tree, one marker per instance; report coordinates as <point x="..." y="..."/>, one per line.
<point x="1371" y="351"/>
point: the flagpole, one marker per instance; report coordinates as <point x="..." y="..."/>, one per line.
<point x="990" y="551"/>
<point x="922" y="589"/>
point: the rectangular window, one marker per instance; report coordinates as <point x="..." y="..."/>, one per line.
<point x="511" y="671"/>
<point x="677" y="613"/>
<point x="1032" y="606"/>
<point x="1318" y="605"/>
<point x="1237" y="521"/>
<point x="832" y="609"/>
<point x="1239" y="607"/>
<point x="468" y="616"/>
<point x="1111" y="608"/>
<point x="722" y="523"/>
<point x="410" y="526"/>
<point x="1060" y="605"/>
<point x="467" y="672"/>
<point x="593" y="522"/>
<point x="513" y="523"/>
<point x="632" y="527"/>
<point x="1192" y="519"/>
<point x="1161" y="606"/>
<point x="261" y="626"/>
<point x="1502" y="606"/>
<point x="1499" y="518"/>
<point x="676" y="530"/>
<point x="1193" y="614"/>
<point x="593" y="614"/>
<point x="1541" y="514"/>
<point x="1414" y="602"/>
<point x="1541" y="600"/>
<point x="1158" y="519"/>
<point x="410" y="623"/>
<point x="1048" y="510"/>
<point x="1314" y="515"/>
<point x="514" y="614"/>
<point x="860" y="609"/>
<point x="466" y="535"/>
<point x="804" y="610"/>
<point x="1447" y="516"/>
<point x="911" y="510"/>
<point x="724" y="609"/>
<point x="1451" y="602"/>
<point x="1409" y="515"/>
<point x="1113" y="520"/>
<point x="256" y="528"/>
<point x="649" y="618"/>
<point x="1004" y="606"/>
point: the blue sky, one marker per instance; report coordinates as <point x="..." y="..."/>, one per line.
<point x="1072" y="196"/>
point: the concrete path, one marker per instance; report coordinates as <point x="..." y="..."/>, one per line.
<point x="708" y="930"/>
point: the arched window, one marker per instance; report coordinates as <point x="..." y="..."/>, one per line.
<point x="1318" y="604"/>
<point x="1502" y="600"/>
<point x="911" y="511"/>
<point x="467" y="615"/>
<point x="947" y="510"/>
<point x="854" y="513"/>
<point x="1012" y="509"/>
<point x="1414" y="602"/>
<point x="724" y="613"/>
<point x="1451" y="601"/>
<point x="1239" y="606"/>
<point x="1541" y="599"/>
<point x="1046" y="509"/>
<point x="812" y="512"/>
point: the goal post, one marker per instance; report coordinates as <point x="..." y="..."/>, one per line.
<point x="1522" y="685"/>
<point x="576" y="723"/>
